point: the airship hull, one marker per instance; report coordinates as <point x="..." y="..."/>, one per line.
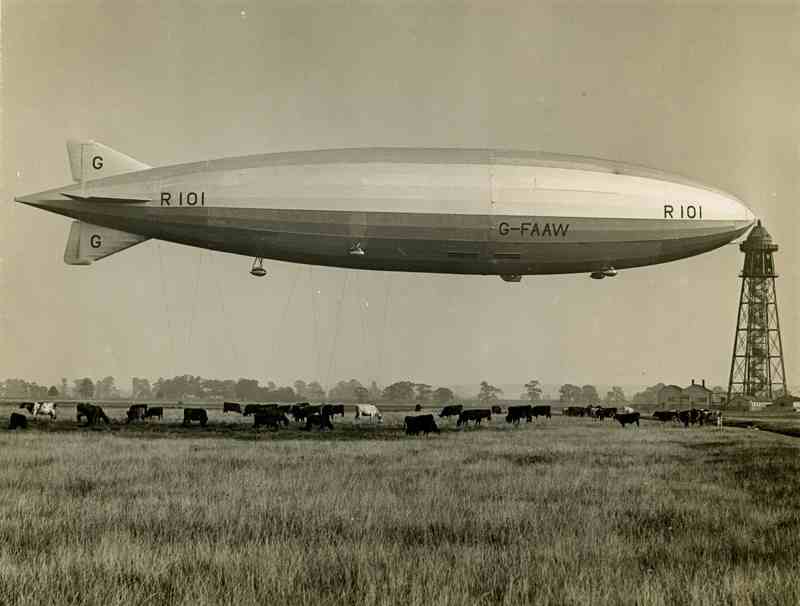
<point x="438" y="211"/>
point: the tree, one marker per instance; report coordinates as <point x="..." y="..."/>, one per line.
<point x="84" y="387"/>
<point x="649" y="395"/>
<point x="488" y="393"/>
<point x="345" y="391"/>
<point x="615" y="396"/>
<point x="569" y="394"/>
<point x="423" y="392"/>
<point x="314" y="392"/>
<point x="400" y="391"/>
<point x="105" y="388"/>
<point x="52" y="392"/>
<point x="374" y="392"/>
<point x="442" y="395"/>
<point x="361" y="394"/>
<point x="534" y="390"/>
<point x="141" y="389"/>
<point x="300" y="388"/>
<point x="589" y="395"/>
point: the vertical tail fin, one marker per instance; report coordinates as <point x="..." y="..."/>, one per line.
<point x="90" y="160"/>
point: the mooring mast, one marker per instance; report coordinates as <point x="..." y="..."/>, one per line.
<point x="757" y="365"/>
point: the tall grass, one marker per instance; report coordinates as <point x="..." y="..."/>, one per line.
<point x="562" y="512"/>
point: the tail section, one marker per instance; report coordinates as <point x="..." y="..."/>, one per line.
<point x="88" y="243"/>
<point x="90" y="160"/>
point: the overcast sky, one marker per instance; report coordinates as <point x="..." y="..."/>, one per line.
<point x="708" y="92"/>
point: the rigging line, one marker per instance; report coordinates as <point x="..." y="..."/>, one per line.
<point x="387" y="284"/>
<point x="230" y="337"/>
<point x="336" y="332"/>
<point x="166" y="302"/>
<point x="276" y="330"/>
<point x="315" y="336"/>
<point x="194" y="301"/>
<point x="362" y="312"/>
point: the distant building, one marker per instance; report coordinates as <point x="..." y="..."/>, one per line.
<point x="697" y="396"/>
<point x="669" y="396"/>
<point x="693" y="396"/>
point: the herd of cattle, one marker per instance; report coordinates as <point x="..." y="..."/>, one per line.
<point x="320" y="415"/>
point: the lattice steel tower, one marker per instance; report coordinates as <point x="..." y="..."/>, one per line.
<point x="757" y="365"/>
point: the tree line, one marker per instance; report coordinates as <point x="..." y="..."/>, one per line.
<point x="190" y="386"/>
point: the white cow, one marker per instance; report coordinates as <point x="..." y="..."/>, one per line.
<point x="40" y="408"/>
<point x="369" y="411"/>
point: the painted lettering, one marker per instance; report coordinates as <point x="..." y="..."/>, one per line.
<point x="97" y="162"/>
<point x="668" y="211"/>
<point x="503" y="228"/>
<point x="165" y="196"/>
<point x="95" y="241"/>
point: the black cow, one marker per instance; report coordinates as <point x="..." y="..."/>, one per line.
<point x="283" y="408"/>
<point x="497" y="410"/>
<point x="231" y="407"/>
<point x="665" y="415"/>
<point x="195" y="414"/>
<point x="333" y="409"/>
<point x="301" y="413"/>
<point x="420" y="423"/>
<point x="541" y="411"/>
<point x="689" y="417"/>
<point x="92" y="413"/>
<point x="453" y="410"/>
<point x="517" y="413"/>
<point x="473" y="414"/>
<point x="627" y="417"/>
<point x="319" y="420"/>
<point x="137" y="412"/>
<point x="154" y="411"/>
<point x="29" y="406"/>
<point x="270" y="419"/>
<point x="604" y="413"/>
<point x="418" y="407"/>
<point x="574" y="411"/>
<point x="18" y="421"/>
<point x="252" y="409"/>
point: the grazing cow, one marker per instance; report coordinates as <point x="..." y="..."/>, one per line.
<point x="665" y="415"/>
<point x="92" y="413"/>
<point x="574" y="411"/>
<point x="18" y="421"/>
<point x="270" y="419"/>
<point x="369" y="411"/>
<point x="420" y="423"/>
<point x="332" y="410"/>
<point x="627" y="417"/>
<point x="627" y="409"/>
<point x="497" y="410"/>
<point x="541" y="411"/>
<point x="689" y="417"/>
<point x="231" y="407"/>
<point x="137" y="412"/>
<point x="418" y="408"/>
<point x="301" y="412"/>
<point x="154" y="411"/>
<point x="604" y="413"/>
<point x="319" y="420"/>
<point x="252" y="409"/>
<point x="40" y="408"/>
<point x="283" y="408"/>
<point x="517" y="413"/>
<point x="474" y="414"/>
<point x="195" y="414"/>
<point x="453" y="410"/>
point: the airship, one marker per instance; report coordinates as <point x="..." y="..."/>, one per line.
<point x="454" y="211"/>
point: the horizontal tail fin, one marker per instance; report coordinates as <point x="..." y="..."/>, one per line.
<point x="88" y="243"/>
<point x="89" y="160"/>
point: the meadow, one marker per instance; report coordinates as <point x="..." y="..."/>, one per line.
<point x="565" y="511"/>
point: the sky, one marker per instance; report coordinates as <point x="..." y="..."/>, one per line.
<point x="706" y="91"/>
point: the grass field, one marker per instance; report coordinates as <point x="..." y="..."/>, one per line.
<point x="566" y="511"/>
